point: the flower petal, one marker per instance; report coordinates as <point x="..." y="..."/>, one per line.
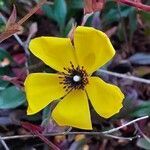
<point x="73" y="110"/>
<point x="105" y="98"/>
<point x="55" y="52"/>
<point x="93" y="48"/>
<point x="41" y="89"/>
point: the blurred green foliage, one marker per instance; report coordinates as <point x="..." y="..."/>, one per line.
<point x="66" y="13"/>
<point x="11" y="97"/>
<point x="142" y="110"/>
<point x="57" y="12"/>
<point x="143" y="143"/>
<point x="62" y="12"/>
<point x="5" y="70"/>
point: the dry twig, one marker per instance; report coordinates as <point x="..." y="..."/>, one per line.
<point x="135" y="4"/>
<point x="4" y="144"/>
<point x="125" y="76"/>
<point x="12" y="26"/>
<point x="104" y="133"/>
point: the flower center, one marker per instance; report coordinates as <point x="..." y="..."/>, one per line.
<point x="74" y="78"/>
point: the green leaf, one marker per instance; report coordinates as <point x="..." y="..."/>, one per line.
<point x="60" y="11"/>
<point x="46" y="113"/>
<point x="5" y="71"/>
<point x="143" y="143"/>
<point x="68" y="27"/>
<point x="3" y="84"/>
<point x="120" y="32"/>
<point x="109" y="5"/>
<point x="4" y="54"/>
<point x="1" y="4"/>
<point x="75" y="4"/>
<point x="57" y="12"/>
<point x="2" y="25"/>
<point x="132" y="22"/>
<point x="113" y="15"/>
<point x="141" y="110"/>
<point x="145" y="16"/>
<point x="11" y="97"/>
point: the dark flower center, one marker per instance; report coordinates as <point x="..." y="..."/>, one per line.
<point x="74" y="78"/>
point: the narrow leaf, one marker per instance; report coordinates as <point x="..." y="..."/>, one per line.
<point x="37" y="130"/>
<point x="12" y="18"/>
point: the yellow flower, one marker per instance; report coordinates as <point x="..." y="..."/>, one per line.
<point x="73" y="83"/>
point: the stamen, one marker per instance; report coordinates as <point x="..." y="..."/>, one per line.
<point x="73" y="78"/>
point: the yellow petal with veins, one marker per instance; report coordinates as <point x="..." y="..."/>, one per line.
<point x="105" y="98"/>
<point x="55" y="52"/>
<point x="41" y="89"/>
<point x="73" y="110"/>
<point x="93" y="48"/>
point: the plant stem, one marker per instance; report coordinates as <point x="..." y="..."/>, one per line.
<point x="122" y="138"/>
<point x="127" y="124"/>
<point x="4" y="144"/>
<point x="140" y="131"/>
<point x="135" y="4"/>
<point x="119" y="75"/>
<point x="104" y="133"/>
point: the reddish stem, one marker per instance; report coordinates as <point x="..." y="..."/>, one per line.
<point x="134" y="4"/>
<point x="37" y="130"/>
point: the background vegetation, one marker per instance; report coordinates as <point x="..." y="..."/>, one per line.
<point x="129" y="31"/>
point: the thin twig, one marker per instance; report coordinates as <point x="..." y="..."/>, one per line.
<point x="140" y="131"/>
<point x="4" y="144"/>
<point x="22" y="44"/>
<point x="122" y="138"/>
<point x="127" y="124"/>
<point x="26" y="51"/>
<point x="119" y="75"/>
<point x="69" y="133"/>
<point x="104" y="133"/>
